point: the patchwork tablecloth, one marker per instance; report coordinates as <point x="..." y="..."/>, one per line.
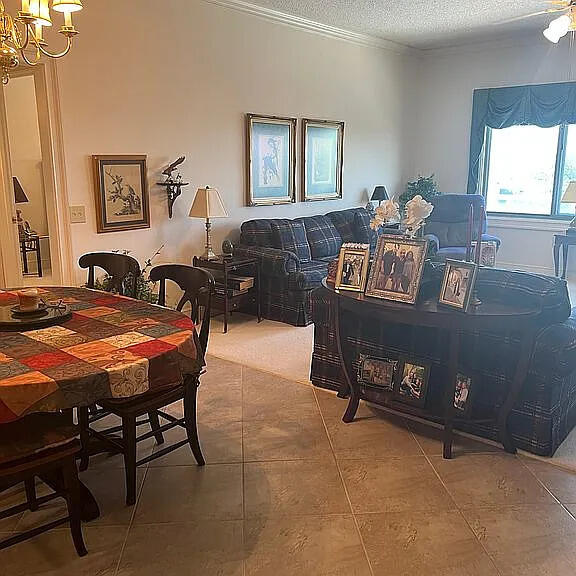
<point x="112" y="347"/>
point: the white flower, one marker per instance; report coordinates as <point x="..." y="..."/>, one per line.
<point x="417" y="210"/>
<point x="387" y="212"/>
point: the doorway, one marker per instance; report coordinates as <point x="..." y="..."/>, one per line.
<point x="32" y="225"/>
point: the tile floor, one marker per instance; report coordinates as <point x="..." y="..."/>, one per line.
<point x="291" y="490"/>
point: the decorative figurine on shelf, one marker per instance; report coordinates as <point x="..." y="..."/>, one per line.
<point x="173" y="183"/>
<point x="227" y="249"/>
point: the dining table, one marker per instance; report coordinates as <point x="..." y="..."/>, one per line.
<point x="104" y="346"/>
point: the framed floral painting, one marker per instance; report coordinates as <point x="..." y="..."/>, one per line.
<point x="322" y="159"/>
<point x="121" y="187"/>
<point x="270" y="160"/>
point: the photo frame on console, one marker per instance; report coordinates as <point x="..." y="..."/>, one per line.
<point x="411" y="383"/>
<point x="377" y="372"/>
<point x="397" y="268"/>
<point x="458" y="284"/>
<point x="463" y="394"/>
<point x="353" y="265"/>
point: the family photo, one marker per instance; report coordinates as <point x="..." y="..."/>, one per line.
<point x="413" y="383"/>
<point x="353" y="267"/>
<point x="462" y="392"/>
<point x="397" y="269"/>
<point x="458" y="284"/>
<point x="377" y="372"/>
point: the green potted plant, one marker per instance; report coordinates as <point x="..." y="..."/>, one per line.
<point x="423" y="186"/>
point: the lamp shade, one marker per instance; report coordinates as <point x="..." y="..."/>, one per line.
<point x="19" y="194"/>
<point x="380" y="193"/>
<point x="569" y="195"/>
<point x="207" y="204"/>
<point x="67" y="5"/>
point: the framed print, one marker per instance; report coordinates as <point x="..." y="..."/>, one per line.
<point x="122" y="201"/>
<point x="377" y="372"/>
<point x="458" y="283"/>
<point x="488" y="251"/>
<point x="353" y="267"/>
<point x="270" y="160"/>
<point x="462" y="394"/>
<point x="322" y="159"/>
<point x="412" y="383"/>
<point x="397" y="268"/>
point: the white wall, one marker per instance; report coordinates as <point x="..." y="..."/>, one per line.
<point x="440" y="136"/>
<point x="177" y="80"/>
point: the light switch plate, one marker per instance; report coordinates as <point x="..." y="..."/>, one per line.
<point x="78" y="214"/>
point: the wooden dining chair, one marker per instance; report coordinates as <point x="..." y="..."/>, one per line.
<point x="37" y="445"/>
<point x="122" y="270"/>
<point x="197" y="287"/>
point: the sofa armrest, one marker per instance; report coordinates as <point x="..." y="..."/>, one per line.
<point x="273" y="262"/>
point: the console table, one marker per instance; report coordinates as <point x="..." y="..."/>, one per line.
<point x="489" y="317"/>
<point x="563" y="241"/>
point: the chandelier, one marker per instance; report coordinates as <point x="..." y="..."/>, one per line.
<point x="23" y="35"/>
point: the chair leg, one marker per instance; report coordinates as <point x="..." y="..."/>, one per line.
<point x="30" y="487"/>
<point x="84" y="425"/>
<point x="74" y="505"/>
<point x="155" y="425"/>
<point x="190" y="396"/>
<point x="129" y="440"/>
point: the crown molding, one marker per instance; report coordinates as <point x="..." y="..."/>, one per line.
<point x="314" y="27"/>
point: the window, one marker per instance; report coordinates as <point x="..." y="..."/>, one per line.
<point x="528" y="168"/>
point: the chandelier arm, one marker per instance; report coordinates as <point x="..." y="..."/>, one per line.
<point x="17" y="36"/>
<point x="27" y="60"/>
<point x="58" y="54"/>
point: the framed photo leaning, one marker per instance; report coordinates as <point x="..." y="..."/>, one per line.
<point x="270" y="160"/>
<point x="353" y="267"/>
<point x="377" y="372"/>
<point x="397" y="268"/>
<point x="121" y="190"/>
<point x="462" y="394"/>
<point x="322" y="159"/>
<point x="412" y="382"/>
<point x="458" y="284"/>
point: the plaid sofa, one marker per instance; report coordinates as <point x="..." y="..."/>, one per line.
<point x="294" y="257"/>
<point x="546" y="410"/>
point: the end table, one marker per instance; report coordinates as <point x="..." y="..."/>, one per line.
<point x="564" y="241"/>
<point x="228" y="302"/>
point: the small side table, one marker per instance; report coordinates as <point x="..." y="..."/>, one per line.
<point x="228" y="302"/>
<point x="564" y="241"/>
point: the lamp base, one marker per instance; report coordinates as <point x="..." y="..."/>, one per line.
<point x="209" y="254"/>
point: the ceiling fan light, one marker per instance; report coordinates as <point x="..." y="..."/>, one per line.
<point x="551" y="35"/>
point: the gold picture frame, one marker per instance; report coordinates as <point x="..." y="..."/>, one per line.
<point x="121" y="192"/>
<point x="353" y="263"/>
<point x="270" y="160"/>
<point x="322" y="161"/>
<point x="397" y="268"/>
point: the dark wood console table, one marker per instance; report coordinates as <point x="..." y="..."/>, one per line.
<point x="490" y="317"/>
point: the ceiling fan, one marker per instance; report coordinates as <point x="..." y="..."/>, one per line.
<point x="560" y="26"/>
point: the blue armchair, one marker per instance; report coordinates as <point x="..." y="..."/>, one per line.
<point x="446" y="228"/>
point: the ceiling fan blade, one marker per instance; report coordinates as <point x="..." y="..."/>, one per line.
<point x="526" y="16"/>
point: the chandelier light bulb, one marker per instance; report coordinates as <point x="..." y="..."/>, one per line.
<point x="551" y="35"/>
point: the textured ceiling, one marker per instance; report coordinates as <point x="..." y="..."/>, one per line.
<point x="421" y="24"/>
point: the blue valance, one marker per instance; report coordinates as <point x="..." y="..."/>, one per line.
<point x="543" y="105"/>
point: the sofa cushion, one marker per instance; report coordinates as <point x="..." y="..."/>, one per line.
<point x="256" y="233"/>
<point x="310" y="276"/>
<point x="323" y="237"/>
<point x="290" y="235"/>
<point x="345" y="223"/>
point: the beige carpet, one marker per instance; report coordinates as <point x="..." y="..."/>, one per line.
<point x="287" y="351"/>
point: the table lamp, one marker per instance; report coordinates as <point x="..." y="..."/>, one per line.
<point x="569" y="197"/>
<point x="380" y="193"/>
<point x="208" y="204"/>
